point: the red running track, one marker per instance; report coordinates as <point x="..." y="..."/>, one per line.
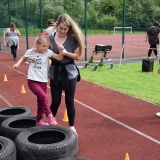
<point x="109" y="123"/>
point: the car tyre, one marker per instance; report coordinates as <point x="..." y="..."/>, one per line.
<point x="11" y="127"/>
<point x="7" y="149"/>
<point x="8" y="112"/>
<point x="46" y="143"/>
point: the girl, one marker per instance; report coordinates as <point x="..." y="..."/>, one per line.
<point x="37" y="76"/>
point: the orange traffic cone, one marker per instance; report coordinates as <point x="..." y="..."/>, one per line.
<point x="126" y="157"/>
<point x="23" y="89"/>
<point x="5" y="78"/>
<point x="65" y="117"/>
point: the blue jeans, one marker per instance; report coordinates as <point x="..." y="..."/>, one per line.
<point x="40" y="89"/>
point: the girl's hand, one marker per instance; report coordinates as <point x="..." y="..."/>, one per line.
<point x="60" y="47"/>
<point x="15" y="66"/>
<point x="62" y="50"/>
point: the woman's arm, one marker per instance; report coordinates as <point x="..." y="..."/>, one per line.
<point x="18" y="32"/>
<point x="21" y="60"/>
<point x="7" y="31"/>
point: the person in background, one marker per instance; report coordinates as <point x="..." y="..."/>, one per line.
<point x="65" y="74"/>
<point x="51" y="26"/>
<point x="38" y="78"/>
<point x="13" y="40"/>
<point x="153" y="38"/>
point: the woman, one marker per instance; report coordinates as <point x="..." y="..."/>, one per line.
<point x="153" y="39"/>
<point x="64" y="75"/>
<point x="13" y="39"/>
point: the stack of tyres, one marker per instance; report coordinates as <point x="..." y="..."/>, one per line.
<point x="147" y="65"/>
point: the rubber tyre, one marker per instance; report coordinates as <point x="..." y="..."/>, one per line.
<point x="11" y="127"/>
<point x="7" y="149"/>
<point x="46" y="143"/>
<point x="8" y="112"/>
<point x="73" y="158"/>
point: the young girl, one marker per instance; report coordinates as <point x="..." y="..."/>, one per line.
<point x="38" y="78"/>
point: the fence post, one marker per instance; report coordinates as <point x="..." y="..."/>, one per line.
<point x="26" y="23"/>
<point x="85" y="23"/>
<point x="41" y="20"/>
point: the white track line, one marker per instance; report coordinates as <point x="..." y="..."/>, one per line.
<point x="118" y="122"/>
<point x="5" y="100"/>
<point x="98" y="112"/>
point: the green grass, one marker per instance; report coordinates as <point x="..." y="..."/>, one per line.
<point x="31" y="31"/>
<point x="128" y="79"/>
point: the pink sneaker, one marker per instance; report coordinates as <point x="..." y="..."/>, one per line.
<point x="41" y="123"/>
<point x="51" y="120"/>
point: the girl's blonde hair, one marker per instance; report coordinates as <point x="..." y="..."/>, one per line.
<point x="42" y="39"/>
<point x="73" y="29"/>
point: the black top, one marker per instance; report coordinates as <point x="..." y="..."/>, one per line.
<point x="153" y="32"/>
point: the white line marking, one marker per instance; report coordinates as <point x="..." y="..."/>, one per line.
<point x="118" y="122"/>
<point x="5" y="100"/>
<point x="100" y="113"/>
<point x="13" y="69"/>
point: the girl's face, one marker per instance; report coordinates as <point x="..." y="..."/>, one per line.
<point x="62" y="30"/>
<point x="43" y="47"/>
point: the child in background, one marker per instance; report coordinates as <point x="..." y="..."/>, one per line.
<point x="13" y="39"/>
<point x="51" y="26"/>
<point x="38" y="78"/>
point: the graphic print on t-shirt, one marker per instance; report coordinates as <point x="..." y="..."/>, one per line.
<point x="36" y="63"/>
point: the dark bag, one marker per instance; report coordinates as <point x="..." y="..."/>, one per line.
<point x="147" y="65"/>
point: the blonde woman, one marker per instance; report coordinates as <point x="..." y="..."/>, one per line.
<point x="64" y="75"/>
<point x="13" y="40"/>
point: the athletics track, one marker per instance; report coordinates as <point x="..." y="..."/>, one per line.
<point x="109" y="123"/>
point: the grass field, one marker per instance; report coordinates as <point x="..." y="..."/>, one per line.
<point x="127" y="78"/>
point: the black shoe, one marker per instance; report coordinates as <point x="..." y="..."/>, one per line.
<point x="14" y="59"/>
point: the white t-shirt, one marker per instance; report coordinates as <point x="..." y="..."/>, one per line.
<point x="13" y="38"/>
<point x="39" y="65"/>
<point x="50" y="30"/>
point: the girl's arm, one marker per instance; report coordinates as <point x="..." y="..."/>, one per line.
<point x="21" y="60"/>
<point x="58" y="57"/>
<point x="75" y="55"/>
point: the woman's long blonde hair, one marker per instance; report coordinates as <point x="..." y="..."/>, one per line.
<point x="73" y="29"/>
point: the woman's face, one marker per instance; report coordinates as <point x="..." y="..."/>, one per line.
<point x="62" y="30"/>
